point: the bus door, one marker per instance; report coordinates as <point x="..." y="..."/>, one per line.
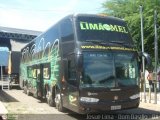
<point x="40" y="81"/>
<point x="71" y="91"/>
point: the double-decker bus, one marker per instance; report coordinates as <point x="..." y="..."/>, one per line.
<point x="85" y="63"/>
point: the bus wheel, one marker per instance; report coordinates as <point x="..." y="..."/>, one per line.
<point x="50" y="100"/>
<point x="28" y="92"/>
<point x="25" y="90"/>
<point x="58" y="102"/>
<point x="36" y="94"/>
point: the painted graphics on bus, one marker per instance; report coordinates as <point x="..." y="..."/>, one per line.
<point x="41" y="53"/>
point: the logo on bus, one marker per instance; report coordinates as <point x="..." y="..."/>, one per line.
<point x="115" y="97"/>
<point x="103" y="27"/>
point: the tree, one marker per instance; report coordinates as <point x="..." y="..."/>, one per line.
<point x="129" y="10"/>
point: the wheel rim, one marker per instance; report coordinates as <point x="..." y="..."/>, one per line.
<point x="28" y="92"/>
<point x="48" y="96"/>
<point x="57" y="101"/>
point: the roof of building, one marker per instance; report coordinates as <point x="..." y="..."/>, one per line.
<point x="18" y="34"/>
<point x="19" y="31"/>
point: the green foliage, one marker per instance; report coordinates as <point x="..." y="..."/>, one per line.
<point x="129" y="10"/>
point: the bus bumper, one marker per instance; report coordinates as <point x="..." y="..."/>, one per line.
<point x="107" y="106"/>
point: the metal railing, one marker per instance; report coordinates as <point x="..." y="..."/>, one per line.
<point x="150" y="93"/>
<point x="5" y="82"/>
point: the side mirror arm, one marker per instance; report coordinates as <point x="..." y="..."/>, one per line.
<point x="147" y="57"/>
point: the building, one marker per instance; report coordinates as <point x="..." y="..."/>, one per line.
<point x="11" y="42"/>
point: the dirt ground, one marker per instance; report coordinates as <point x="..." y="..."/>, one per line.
<point x="23" y="107"/>
<point x="23" y="104"/>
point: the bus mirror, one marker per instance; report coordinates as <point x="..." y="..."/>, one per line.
<point x="147" y="57"/>
<point x="79" y="62"/>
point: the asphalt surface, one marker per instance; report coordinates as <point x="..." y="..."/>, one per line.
<point x="23" y="107"/>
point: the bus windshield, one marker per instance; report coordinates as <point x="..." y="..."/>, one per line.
<point x="109" y="69"/>
<point x="102" y="29"/>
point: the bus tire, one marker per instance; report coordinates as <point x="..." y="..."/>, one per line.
<point x="50" y="99"/>
<point x="35" y="94"/>
<point x="25" y="87"/>
<point x="28" y="92"/>
<point x="25" y="90"/>
<point x="59" y="104"/>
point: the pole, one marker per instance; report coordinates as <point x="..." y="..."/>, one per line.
<point x="156" y="56"/>
<point x="143" y="62"/>
<point x="2" y="76"/>
<point x="1" y="72"/>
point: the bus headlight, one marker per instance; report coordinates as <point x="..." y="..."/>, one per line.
<point x="135" y="96"/>
<point x="88" y="99"/>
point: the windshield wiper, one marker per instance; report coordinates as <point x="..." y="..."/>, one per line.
<point x="122" y="43"/>
<point x="104" y="43"/>
<point x="110" y="43"/>
<point x="98" y="42"/>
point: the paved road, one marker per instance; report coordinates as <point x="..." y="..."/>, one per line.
<point x="23" y="107"/>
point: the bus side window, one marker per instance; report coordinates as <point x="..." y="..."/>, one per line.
<point x="34" y="73"/>
<point x="29" y="72"/>
<point x="46" y="74"/>
<point x="46" y="71"/>
<point x="67" y="37"/>
<point x="71" y="72"/>
<point x="66" y="31"/>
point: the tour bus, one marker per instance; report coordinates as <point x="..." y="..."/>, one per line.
<point x="85" y="63"/>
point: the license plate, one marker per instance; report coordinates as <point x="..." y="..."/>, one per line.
<point x="117" y="107"/>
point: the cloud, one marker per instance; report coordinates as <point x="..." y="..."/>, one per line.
<point x="40" y="14"/>
<point x="64" y="7"/>
<point x="86" y="6"/>
<point x="39" y="18"/>
<point x="17" y="19"/>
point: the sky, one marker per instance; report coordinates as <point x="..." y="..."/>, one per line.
<point x="39" y="15"/>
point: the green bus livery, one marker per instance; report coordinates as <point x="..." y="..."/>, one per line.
<point x="85" y="63"/>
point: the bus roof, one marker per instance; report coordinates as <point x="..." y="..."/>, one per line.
<point x="98" y="16"/>
<point x="76" y="16"/>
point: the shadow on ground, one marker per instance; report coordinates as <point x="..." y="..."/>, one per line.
<point x="4" y="97"/>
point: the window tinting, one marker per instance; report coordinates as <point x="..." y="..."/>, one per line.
<point x="102" y="29"/>
<point x="66" y="29"/>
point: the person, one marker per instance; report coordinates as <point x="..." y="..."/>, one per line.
<point x="146" y="78"/>
<point x="159" y="80"/>
<point x="150" y="80"/>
